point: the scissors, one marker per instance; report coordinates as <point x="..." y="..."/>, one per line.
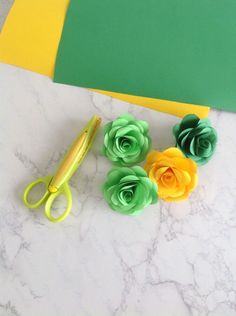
<point x="58" y="184"/>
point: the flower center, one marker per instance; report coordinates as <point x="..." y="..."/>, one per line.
<point x="123" y="143"/>
<point x="128" y="196"/>
<point x="168" y="178"/>
<point x="204" y="143"/>
<point x="126" y="193"/>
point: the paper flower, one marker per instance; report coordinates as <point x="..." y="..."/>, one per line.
<point x="196" y="138"/>
<point x="129" y="190"/>
<point x="174" y="174"/>
<point x="126" y="140"/>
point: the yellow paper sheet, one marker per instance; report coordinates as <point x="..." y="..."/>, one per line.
<point x="170" y="107"/>
<point x="30" y="39"/>
<point x="31" y="34"/>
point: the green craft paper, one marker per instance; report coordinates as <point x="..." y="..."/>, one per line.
<point x="175" y="50"/>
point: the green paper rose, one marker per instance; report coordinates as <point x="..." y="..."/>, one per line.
<point x="196" y="138"/>
<point x="129" y="190"/>
<point x="126" y="140"/>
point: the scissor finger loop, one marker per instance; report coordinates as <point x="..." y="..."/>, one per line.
<point x="65" y="190"/>
<point x="30" y="187"/>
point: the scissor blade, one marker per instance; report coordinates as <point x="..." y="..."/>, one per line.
<point x="75" y="155"/>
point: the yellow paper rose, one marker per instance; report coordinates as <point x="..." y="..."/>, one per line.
<point x="174" y="174"/>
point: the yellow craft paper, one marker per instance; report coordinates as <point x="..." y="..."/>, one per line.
<point x="31" y="34"/>
<point x="170" y="107"/>
<point x="30" y="39"/>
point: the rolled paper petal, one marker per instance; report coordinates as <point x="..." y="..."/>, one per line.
<point x="196" y="138"/>
<point x="126" y="140"/>
<point x="175" y="175"/>
<point x="129" y="190"/>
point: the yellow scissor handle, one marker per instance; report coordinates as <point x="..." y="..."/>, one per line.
<point x="64" y="190"/>
<point x="49" y="198"/>
<point x="45" y="181"/>
<point x="58" y="184"/>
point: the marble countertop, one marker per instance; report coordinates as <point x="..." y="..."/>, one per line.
<point x="174" y="259"/>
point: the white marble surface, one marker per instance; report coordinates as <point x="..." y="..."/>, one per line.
<point x="172" y="260"/>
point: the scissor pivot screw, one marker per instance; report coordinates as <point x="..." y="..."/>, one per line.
<point x="52" y="189"/>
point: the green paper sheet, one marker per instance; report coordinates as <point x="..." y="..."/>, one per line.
<point x="175" y="50"/>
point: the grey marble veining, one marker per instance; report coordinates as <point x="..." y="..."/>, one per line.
<point x="176" y="259"/>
